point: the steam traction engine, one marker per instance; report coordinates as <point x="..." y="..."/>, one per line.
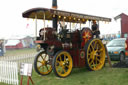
<point x="64" y="49"/>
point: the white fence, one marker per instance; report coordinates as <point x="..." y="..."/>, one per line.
<point x="24" y="58"/>
<point x="9" y="72"/>
<point x="10" y="66"/>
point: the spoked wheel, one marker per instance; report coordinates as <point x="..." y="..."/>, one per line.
<point x="95" y="54"/>
<point x="42" y="63"/>
<point x="62" y="64"/>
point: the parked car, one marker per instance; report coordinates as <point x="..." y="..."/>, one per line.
<point x="116" y="49"/>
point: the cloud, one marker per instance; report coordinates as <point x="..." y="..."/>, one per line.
<point x="12" y="22"/>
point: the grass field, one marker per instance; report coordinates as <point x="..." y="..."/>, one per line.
<point x="19" y="52"/>
<point x="81" y="76"/>
<point x="106" y="76"/>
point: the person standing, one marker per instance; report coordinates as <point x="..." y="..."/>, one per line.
<point x="1" y="48"/>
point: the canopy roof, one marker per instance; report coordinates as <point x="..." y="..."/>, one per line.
<point x="62" y="15"/>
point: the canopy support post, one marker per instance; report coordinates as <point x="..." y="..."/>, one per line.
<point x="35" y="26"/>
<point x="80" y="25"/>
<point x="70" y="26"/>
<point x="89" y="24"/>
<point x="98" y="24"/>
<point x="44" y="26"/>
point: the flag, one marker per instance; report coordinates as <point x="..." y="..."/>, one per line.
<point x="27" y="25"/>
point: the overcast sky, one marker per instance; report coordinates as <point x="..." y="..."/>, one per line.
<point x="12" y="23"/>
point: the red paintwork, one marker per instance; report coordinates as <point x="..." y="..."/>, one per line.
<point x="77" y="60"/>
<point x="74" y="47"/>
<point x="49" y="33"/>
<point x="124" y="24"/>
<point x="126" y="44"/>
<point x="53" y="42"/>
<point x="86" y="35"/>
<point x="38" y="41"/>
<point x="126" y="52"/>
<point x="17" y="46"/>
<point x="82" y="59"/>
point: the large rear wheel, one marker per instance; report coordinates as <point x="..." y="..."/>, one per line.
<point x="42" y="63"/>
<point x="62" y="64"/>
<point x="95" y="54"/>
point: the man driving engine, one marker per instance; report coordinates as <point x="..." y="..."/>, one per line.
<point x="95" y="29"/>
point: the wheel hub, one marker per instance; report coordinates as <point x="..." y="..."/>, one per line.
<point x="93" y="55"/>
<point x="44" y="63"/>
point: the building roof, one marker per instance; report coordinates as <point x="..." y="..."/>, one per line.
<point x="119" y="16"/>
<point x="12" y="42"/>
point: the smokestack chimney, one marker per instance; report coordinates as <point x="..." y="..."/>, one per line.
<point x="55" y="18"/>
<point x="54" y="4"/>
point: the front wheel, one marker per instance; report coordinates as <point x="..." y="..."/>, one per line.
<point x="62" y="64"/>
<point x="42" y="63"/>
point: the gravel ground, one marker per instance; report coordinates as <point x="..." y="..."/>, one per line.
<point x="123" y="64"/>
